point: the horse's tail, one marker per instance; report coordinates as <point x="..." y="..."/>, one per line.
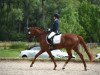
<point x="81" y="41"/>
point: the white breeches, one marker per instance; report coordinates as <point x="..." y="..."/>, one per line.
<point x="51" y="34"/>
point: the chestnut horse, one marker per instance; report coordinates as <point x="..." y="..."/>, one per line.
<point x="68" y="41"/>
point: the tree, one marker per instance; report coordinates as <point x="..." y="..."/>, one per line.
<point x="69" y="22"/>
<point x="89" y="19"/>
<point x="76" y="16"/>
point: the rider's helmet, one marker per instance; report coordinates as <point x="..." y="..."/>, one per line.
<point x="56" y="15"/>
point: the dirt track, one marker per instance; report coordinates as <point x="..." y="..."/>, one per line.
<point x="46" y="68"/>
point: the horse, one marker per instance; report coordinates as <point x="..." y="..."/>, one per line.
<point x="68" y="41"/>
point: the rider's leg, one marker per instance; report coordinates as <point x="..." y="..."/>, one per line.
<point x="50" y="37"/>
<point x="51" y="43"/>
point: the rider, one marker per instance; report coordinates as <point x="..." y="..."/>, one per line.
<point x="53" y="29"/>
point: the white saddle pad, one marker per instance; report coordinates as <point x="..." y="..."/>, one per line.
<point x="57" y="39"/>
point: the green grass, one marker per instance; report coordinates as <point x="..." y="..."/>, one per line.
<point x="16" y="52"/>
<point x="12" y="50"/>
<point x="94" y="51"/>
<point x="9" y="53"/>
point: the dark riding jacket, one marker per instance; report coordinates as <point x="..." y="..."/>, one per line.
<point x="54" y="27"/>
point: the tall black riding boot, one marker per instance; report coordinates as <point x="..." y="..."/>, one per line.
<point x="51" y="44"/>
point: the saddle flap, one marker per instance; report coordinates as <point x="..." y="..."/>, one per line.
<point x="57" y="39"/>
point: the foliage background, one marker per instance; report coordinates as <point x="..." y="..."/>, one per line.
<point x="80" y="17"/>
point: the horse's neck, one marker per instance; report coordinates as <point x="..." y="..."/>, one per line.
<point x="40" y="32"/>
<point x="42" y="37"/>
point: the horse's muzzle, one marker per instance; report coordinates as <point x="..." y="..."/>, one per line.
<point x="29" y="39"/>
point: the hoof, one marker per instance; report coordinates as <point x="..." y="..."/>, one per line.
<point x="30" y="65"/>
<point x="54" y="69"/>
<point x="63" y="68"/>
<point x="85" y="69"/>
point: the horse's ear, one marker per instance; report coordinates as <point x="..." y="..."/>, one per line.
<point x="27" y="28"/>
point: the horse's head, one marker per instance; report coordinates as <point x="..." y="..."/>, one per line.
<point x="31" y="33"/>
<point x="34" y="31"/>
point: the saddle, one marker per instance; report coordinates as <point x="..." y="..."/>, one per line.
<point x="56" y="39"/>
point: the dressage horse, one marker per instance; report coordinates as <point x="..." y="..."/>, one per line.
<point x="68" y="41"/>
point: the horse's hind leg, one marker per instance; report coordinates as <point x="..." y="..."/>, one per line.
<point x="81" y="56"/>
<point x="69" y="57"/>
<point x="51" y="56"/>
<point x="40" y="52"/>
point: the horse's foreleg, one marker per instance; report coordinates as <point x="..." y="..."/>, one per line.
<point x="51" y="56"/>
<point x="40" y="52"/>
<point x="69" y="57"/>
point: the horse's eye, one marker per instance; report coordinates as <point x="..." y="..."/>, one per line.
<point x="29" y="32"/>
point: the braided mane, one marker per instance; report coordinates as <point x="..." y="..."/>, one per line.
<point x="39" y="29"/>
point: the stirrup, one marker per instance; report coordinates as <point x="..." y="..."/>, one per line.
<point x="51" y="47"/>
